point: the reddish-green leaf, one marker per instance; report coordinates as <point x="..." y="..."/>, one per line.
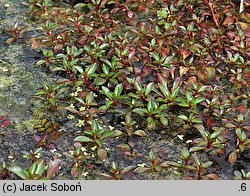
<point x="53" y="168"/>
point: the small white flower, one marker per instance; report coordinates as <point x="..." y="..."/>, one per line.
<point x="80" y="123"/>
<point x="141" y="165"/>
<point x="188" y="141"/>
<point x="71" y="116"/>
<point x="93" y="148"/>
<point x="53" y="150"/>
<point x="71" y="106"/>
<point x="78" y="89"/>
<point x="83" y="149"/>
<point x="111" y="128"/>
<point x="85" y="174"/>
<point x="82" y="108"/>
<point x="180" y="137"/>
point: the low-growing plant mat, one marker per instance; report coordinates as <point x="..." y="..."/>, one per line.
<point x="125" y="89"/>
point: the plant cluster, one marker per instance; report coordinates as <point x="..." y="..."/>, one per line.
<point x="182" y="64"/>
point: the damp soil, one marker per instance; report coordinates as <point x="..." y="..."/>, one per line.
<point x="20" y="79"/>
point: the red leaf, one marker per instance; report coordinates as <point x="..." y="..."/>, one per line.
<point x="246" y="127"/>
<point x="130" y="14"/>
<point x="53" y="168"/>
<point x="131" y="54"/>
<point x="231" y="35"/>
<point x="114" y="10"/>
<point x="213" y="176"/>
<point x="228" y="20"/>
<point x="242" y="108"/>
<point x="74" y="171"/>
<point x="36" y="138"/>
<point x="102" y="154"/>
<point x="50" y="146"/>
<point x="232" y="157"/>
<point x="55" y="135"/>
<point x="161" y="78"/>
<point x="5" y="123"/>
<point x="210" y="122"/>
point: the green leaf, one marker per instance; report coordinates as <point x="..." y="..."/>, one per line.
<point x="149" y="88"/>
<point x="230" y="125"/>
<point x="189" y="96"/>
<point x="175" y="92"/>
<point x="127" y="169"/>
<point x="240" y="117"/>
<point x="114" y="166"/>
<point x="136" y="96"/>
<point x="33" y="168"/>
<point x="107" y="134"/>
<point x="124" y="147"/>
<point x="246" y="143"/>
<point x="106" y="92"/>
<point x="151" y="155"/>
<point x="140" y="133"/>
<point x="204" y="135"/>
<point x="38" y="150"/>
<point x="105" y="69"/>
<point x="185" y="153"/>
<point x="117" y="133"/>
<point x="19" y="172"/>
<point x="197" y="120"/>
<point x="140" y="170"/>
<point x="197" y="148"/>
<point x="207" y="164"/>
<point x="164" y="121"/>
<point x="202" y="89"/>
<point x="40" y="62"/>
<point x="238" y="175"/>
<point x="40" y="168"/>
<point x="138" y="86"/>
<point x="199" y="127"/>
<point x="40" y="92"/>
<point x="83" y="139"/>
<point x="91" y="69"/>
<point x="163" y="107"/>
<point x="125" y="51"/>
<point x="196" y="160"/>
<point x="88" y="50"/>
<point x="78" y="68"/>
<point x="164" y="90"/>
<point x="53" y="101"/>
<point x="62" y="90"/>
<point x="155" y="56"/>
<point x="141" y="111"/>
<point x="150" y="106"/>
<point x="86" y="27"/>
<point x="170" y="163"/>
<point x="99" y="142"/>
<point x="99" y="81"/>
<point x="184" y="104"/>
<point x="183" y="117"/>
<point x="94" y="126"/>
<point x="238" y="132"/>
<point x="198" y="100"/>
<point x="215" y="134"/>
<point x="118" y="90"/>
